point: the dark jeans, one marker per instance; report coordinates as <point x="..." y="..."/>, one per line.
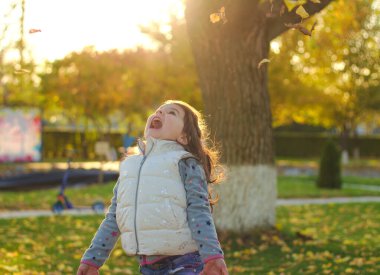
<point x="188" y="264"/>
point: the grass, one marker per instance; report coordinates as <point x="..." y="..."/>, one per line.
<point x="44" y="199"/>
<point x="362" y="180"/>
<point x="353" y="163"/>
<point x="304" y="187"/>
<point x="310" y="239"/>
<point x="288" y="187"/>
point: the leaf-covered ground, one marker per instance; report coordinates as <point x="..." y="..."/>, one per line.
<point x="310" y="239"/>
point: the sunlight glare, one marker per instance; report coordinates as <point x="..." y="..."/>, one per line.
<point x="71" y="25"/>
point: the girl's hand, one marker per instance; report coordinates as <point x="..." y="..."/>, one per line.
<point x="85" y="269"/>
<point x="215" y="267"/>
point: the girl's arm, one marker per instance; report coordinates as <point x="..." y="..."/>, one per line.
<point x="198" y="210"/>
<point x="105" y="238"/>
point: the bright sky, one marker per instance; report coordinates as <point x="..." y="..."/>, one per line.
<point x="70" y="25"/>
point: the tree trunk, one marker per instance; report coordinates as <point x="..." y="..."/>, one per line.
<point x="238" y="113"/>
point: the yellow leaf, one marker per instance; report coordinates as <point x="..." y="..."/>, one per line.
<point x="117" y="253"/>
<point x="291" y="4"/>
<point x="349" y="270"/>
<point x="316" y="1"/>
<point x="302" y="12"/>
<point x="279" y="226"/>
<point x="214" y="17"/>
<point x="61" y="267"/>
<point x="9" y="268"/>
<point x="220" y="15"/>
<point x="11" y="254"/>
<point x="357" y="262"/>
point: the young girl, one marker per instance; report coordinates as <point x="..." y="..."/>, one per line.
<point x="161" y="207"/>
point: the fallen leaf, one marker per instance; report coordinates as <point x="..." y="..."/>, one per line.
<point x="303" y="236"/>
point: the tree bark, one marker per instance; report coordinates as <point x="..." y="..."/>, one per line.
<point x="237" y="104"/>
<point x="238" y="113"/>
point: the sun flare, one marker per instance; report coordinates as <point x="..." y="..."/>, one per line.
<point x="63" y="26"/>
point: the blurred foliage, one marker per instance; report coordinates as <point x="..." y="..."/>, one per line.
<point x="106" y="88"/>
<point x="334" y="75"/>
<point x="330" y="79"/>
<point x="18" y="80"/>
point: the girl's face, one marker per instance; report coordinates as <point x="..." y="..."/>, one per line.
<point x="167" y="123"/>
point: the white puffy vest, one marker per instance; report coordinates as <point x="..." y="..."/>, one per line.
<point x="151" y="202"/>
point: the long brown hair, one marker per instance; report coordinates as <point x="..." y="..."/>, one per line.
<point x="201" y="146"/>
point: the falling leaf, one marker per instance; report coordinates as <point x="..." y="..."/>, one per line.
<point x="265" y="60"/>
<point x="22" y="71"/>
<point x="34" y="30"/>
<point x="218" y="16"/>
<point x="214" y="17"/>
<point x="302" y="12"/>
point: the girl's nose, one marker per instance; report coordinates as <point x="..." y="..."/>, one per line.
<point x="159" y="112"/>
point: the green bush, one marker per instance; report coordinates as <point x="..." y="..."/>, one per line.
<point x="330" y="167"/>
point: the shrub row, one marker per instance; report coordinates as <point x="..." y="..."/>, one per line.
<point x="303" y="145"/>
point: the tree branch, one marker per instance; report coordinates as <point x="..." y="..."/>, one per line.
<point x="276" y="22"/>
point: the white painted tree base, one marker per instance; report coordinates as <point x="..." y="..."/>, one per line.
<point x="247" y="198"/>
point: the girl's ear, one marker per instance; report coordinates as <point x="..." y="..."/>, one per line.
<point x="183" y="139"/>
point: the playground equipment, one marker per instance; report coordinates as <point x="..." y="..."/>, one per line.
<point x="63" y="203"/>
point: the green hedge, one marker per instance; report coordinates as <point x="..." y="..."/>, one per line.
<point x="299" y="145"/>
<point x="311" y="145"/>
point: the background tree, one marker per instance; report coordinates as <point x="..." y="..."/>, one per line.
<point x="17" y="69"/>
<point x="234" y="88"/>
<point x="333" y="78"/>
<point x="108" y="88"/>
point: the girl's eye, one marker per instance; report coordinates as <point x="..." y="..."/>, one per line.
<point x="172" y="112"/>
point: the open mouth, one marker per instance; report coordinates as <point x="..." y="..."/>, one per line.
<point x="155" y="124"/>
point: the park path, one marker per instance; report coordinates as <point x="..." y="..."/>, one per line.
<point x="280" y="202"/>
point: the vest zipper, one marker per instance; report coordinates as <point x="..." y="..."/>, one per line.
<point x="136" y="197"/>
